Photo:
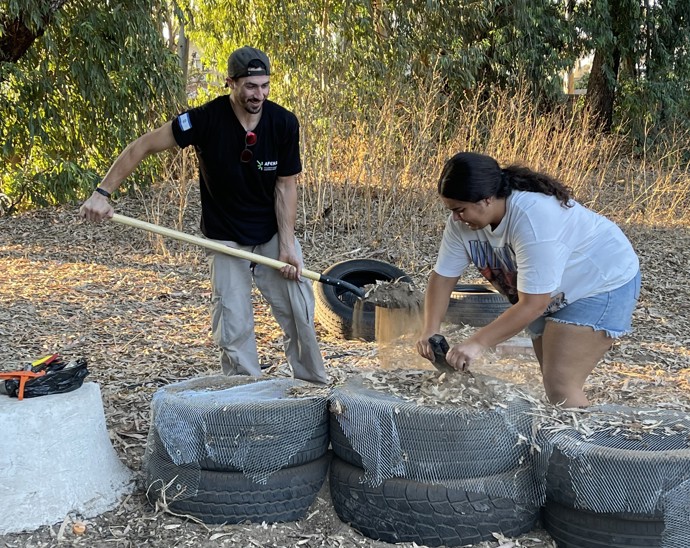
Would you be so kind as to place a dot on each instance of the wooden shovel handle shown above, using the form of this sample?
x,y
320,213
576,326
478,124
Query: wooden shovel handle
x,y
215,246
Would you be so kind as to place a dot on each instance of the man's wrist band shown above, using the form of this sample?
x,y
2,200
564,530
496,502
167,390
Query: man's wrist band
x,y
103,192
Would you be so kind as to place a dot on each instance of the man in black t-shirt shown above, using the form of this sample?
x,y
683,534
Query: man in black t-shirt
x,y
249,159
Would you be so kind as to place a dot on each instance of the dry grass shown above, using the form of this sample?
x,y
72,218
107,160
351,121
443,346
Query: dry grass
x,y
370,176
377,178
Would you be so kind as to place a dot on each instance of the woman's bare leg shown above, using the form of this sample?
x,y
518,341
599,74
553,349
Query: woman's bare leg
x,y
538,352
569,354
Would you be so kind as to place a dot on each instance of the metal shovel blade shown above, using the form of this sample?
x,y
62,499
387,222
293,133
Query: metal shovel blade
x,y
440,347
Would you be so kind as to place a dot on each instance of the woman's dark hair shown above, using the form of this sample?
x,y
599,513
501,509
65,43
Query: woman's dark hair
x,y
471,177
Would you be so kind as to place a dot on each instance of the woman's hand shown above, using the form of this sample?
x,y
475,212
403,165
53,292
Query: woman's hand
x,y
436,299
460,356
424,348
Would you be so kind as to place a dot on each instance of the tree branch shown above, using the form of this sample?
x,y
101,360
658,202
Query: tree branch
x,y
17,37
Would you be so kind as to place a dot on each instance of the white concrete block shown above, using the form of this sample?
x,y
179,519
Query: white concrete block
x,y
55,459
516,347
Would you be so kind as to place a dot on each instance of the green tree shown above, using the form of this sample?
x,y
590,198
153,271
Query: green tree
x,y
78,80
334,59
363,45
641,69
18,31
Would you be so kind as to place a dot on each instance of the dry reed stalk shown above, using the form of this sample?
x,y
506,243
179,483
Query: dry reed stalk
x,y
167,204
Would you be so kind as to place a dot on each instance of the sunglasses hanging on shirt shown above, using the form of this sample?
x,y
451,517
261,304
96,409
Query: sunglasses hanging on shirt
x,y
249,140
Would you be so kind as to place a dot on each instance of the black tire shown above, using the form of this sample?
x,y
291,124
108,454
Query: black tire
x,y
227,497
402,510
572,528
314,448
341,445
334,308
610,472
476,305
428,443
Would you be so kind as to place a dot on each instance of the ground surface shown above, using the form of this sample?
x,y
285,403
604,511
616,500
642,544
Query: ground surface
x,y
138,313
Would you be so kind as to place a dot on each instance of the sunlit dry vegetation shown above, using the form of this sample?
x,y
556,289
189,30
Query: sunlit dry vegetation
x,y
386,166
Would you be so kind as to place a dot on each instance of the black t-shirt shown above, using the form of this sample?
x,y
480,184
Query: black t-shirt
x,y
237,198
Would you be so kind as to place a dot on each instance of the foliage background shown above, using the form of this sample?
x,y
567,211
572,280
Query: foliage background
x,y
385,91
98,76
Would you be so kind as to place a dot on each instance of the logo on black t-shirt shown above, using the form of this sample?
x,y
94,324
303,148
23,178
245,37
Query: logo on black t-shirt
x,y
184,121
270,165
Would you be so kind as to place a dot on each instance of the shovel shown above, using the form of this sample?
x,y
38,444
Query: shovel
x,y
220,248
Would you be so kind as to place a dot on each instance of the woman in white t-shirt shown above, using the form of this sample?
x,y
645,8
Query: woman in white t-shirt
x,y
571,275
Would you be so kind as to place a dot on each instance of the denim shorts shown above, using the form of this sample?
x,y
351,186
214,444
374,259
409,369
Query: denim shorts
x,y
611,312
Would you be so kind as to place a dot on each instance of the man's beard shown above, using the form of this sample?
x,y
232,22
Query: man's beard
x,y
253,108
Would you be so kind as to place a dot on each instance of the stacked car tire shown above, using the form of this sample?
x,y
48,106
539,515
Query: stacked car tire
x,y
434,476
246,462
620,488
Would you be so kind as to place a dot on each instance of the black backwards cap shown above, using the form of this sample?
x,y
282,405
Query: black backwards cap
x,y
248,61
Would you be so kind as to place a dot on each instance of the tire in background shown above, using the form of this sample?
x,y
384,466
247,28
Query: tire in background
x,y
476,305
334,308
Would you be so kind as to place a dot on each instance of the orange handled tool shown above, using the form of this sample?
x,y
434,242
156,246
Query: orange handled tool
x,y
22,377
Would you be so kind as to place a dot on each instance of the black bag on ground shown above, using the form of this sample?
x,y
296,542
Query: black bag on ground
x,y
57,380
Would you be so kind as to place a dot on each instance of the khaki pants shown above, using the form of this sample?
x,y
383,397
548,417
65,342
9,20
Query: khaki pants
x,y
232,314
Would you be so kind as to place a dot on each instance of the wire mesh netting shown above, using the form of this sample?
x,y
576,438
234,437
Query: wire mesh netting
x,y
234,424
677,517
608,460
622,461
